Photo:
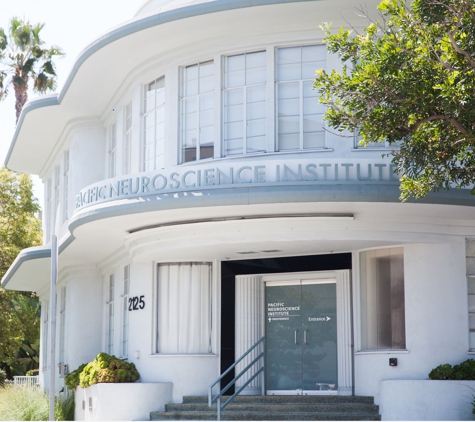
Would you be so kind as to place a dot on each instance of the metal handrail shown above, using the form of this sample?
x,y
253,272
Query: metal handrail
x,y
217,398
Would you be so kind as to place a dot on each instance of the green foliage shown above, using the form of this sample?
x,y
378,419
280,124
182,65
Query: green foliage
x,y
32,404
72,379
3,377
32,373
410,78
107,369
19,311
463,371
23,57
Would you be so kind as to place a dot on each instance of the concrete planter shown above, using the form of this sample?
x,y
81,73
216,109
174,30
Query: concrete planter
x,y
426,400
121,402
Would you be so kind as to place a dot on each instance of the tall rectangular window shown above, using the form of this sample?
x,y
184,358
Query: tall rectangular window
x,y
382,299
470,263
45,333
184,308
56,181
299,114
110,315
197,112
245,104
65,185
125,312
154,125
62,325
127,139
112,149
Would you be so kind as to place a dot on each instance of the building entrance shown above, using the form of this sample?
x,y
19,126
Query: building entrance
x,y
301,336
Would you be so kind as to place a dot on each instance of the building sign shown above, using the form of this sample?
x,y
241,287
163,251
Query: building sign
x,y
263,172
281,312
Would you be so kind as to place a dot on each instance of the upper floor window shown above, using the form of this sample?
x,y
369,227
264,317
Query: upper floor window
x,y
112,149
56,181
127,139
154,125
299,113
197,112
382,299
245,104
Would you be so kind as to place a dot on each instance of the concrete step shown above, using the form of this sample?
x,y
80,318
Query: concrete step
x,y
264,416
255,408
273,407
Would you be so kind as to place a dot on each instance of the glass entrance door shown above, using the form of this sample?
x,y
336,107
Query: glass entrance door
x,y
301,337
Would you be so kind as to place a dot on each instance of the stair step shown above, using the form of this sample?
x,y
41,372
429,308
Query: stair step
x,y
260,416
286,399
272,407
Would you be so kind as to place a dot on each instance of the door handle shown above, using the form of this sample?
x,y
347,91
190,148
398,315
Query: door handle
x,y
296,336
305,336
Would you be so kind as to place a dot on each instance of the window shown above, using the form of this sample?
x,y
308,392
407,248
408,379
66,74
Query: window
x,y
127,138
45,333
56,194
470,260
299,114
245,104
382,299
125,312
110,315
184,308
197,109
65,185
62,324
154,125
112,149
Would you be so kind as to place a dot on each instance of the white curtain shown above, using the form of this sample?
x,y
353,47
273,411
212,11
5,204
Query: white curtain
x,y
184,308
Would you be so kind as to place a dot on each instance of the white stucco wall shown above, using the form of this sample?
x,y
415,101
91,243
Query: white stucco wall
x,y
436,318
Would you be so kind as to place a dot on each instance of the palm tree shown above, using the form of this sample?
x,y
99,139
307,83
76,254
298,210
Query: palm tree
x,y
23,57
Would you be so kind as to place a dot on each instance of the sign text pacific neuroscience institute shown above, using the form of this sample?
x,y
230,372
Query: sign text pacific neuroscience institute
x,y
262,172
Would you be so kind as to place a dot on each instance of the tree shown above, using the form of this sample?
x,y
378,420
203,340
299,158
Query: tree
x,y
410,78
23,56
19,229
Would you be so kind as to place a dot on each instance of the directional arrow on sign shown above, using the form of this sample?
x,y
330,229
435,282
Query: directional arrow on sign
x,y
328,318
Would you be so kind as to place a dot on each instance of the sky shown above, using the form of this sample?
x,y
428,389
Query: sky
x,y
71,25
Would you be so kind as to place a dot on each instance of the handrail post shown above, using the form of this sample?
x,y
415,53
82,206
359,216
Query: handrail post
x,y
218,404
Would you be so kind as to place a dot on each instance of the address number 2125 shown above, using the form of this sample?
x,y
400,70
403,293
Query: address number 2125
x,y
136,303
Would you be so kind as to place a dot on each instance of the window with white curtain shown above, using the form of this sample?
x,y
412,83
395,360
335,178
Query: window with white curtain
x,y
125,312
299,113
126,161
382,299
154,125
245,103
197,112
184,308
112,149
110,315
45,333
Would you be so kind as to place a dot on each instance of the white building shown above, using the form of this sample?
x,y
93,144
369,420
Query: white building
x,y
201,204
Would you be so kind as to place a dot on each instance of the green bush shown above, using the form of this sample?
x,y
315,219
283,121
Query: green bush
x,y
107,369
463,371
3,377
72,379
32,404
33,373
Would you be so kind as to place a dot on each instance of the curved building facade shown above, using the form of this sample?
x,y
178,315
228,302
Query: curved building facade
x,y
200,203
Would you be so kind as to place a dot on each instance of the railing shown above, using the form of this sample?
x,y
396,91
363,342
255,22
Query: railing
x,y
26,381
217,399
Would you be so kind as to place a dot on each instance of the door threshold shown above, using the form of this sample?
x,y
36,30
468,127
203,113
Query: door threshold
x,y
301,392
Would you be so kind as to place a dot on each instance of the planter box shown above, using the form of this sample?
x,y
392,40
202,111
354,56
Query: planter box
x,y
121,402
426,400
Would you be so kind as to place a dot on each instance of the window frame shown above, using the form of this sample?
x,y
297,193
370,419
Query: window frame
x,y
112,151
124,343
110,314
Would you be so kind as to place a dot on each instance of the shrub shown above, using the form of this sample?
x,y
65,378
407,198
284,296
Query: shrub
x,y
32,404
462,371
3,377
107,369
72,379
33,373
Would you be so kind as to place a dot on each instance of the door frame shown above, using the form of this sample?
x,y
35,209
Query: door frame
x,y
251,313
